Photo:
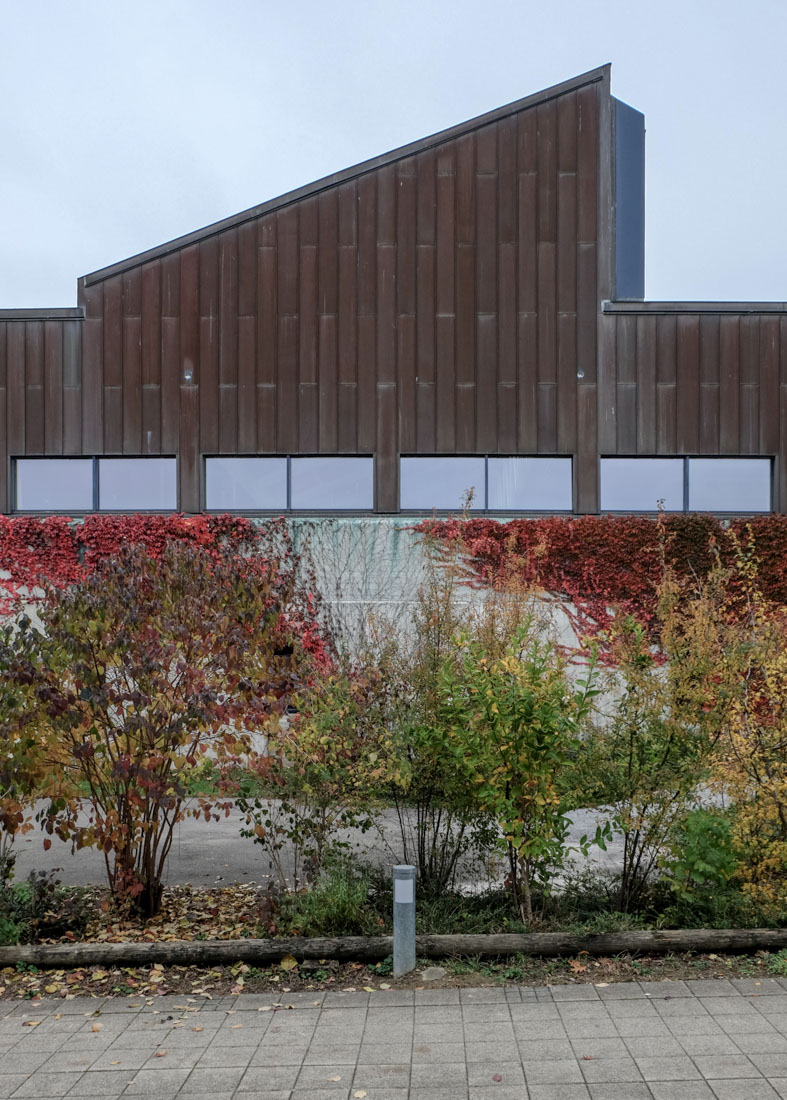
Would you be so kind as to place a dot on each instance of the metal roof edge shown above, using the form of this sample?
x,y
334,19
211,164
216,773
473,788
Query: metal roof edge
x,y
645,308
591,77
65,313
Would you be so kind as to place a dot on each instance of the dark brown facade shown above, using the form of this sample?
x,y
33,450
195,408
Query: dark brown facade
x,y
456,296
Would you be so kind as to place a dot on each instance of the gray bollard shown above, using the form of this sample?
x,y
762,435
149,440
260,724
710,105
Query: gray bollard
x,y
403,919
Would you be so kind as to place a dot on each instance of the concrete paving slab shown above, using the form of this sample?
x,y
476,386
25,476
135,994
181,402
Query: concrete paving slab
x,y
461,1048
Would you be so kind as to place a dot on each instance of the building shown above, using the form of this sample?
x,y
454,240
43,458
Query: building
x,y
464,311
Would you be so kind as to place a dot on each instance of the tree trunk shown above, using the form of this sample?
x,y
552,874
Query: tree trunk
x,y
369,949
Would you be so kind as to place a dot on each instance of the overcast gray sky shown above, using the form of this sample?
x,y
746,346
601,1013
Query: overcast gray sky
x,y
124,125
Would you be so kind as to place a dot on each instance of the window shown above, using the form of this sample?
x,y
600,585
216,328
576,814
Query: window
x,y
729,484
331,484
686,484
499,484
95,484
530,485
324,483
638,484
246,484
137,485
441,483
54,485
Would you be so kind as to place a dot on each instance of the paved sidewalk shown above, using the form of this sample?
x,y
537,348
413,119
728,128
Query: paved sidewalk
x,y
666,1040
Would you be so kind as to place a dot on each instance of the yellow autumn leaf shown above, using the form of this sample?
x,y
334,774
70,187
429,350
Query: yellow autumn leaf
x,y
288,963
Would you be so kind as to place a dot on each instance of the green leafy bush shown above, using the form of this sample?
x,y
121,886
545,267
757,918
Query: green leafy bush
x,y
702,853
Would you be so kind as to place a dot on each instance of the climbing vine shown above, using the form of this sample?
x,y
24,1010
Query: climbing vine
x,y
605,565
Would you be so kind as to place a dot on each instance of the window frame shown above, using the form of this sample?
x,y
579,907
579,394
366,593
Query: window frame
x,y
485,510
96,484
288,509
687,459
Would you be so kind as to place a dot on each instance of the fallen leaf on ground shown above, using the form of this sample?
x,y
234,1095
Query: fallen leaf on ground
x,y
288,963
336,1077
97,1027
159,1054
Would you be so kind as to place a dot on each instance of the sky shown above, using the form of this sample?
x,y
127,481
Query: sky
x,y
124,126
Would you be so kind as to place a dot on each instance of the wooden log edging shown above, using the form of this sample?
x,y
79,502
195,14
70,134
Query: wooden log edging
x,y
63,956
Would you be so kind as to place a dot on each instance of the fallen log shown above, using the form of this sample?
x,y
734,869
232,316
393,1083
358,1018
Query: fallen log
x,y
63,956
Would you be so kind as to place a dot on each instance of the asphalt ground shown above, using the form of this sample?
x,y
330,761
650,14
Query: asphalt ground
x,y
204,853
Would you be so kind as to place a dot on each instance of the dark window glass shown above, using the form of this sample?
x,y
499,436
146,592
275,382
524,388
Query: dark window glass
x,y
441,483
246,484
137,485
54,484
530,485
332,484
638,484
730,484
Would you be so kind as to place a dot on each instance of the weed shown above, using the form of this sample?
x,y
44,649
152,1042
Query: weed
x,y
777,963
464,965
384,967
337,904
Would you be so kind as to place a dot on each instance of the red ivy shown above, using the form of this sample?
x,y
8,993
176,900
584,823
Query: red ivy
x,y
601,563
60,551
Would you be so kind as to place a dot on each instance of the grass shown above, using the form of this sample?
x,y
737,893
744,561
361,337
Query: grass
x,y
342,897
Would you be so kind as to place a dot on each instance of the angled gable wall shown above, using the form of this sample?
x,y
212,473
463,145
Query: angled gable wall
x,y
436,300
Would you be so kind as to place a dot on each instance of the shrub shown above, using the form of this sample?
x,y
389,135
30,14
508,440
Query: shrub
x,y
143,667
511,725
323,769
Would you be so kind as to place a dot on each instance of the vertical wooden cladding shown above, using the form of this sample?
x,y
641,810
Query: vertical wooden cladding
x,y
696,383
436,302
40,390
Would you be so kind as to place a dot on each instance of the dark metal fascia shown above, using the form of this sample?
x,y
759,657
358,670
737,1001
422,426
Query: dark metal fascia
x,y
67,313
637,307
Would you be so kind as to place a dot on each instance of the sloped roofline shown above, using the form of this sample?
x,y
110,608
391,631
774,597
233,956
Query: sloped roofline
x,y
419,146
